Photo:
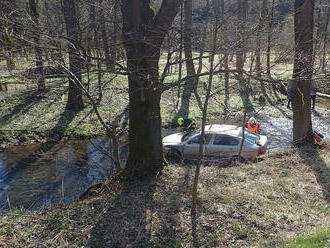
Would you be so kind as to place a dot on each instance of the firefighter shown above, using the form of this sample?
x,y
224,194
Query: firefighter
x,y
252,125
187,124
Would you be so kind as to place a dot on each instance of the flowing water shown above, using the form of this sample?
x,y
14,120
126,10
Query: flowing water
x,y
35,176
39,175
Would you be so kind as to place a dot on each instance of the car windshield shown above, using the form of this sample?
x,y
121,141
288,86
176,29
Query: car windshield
x,y
188,135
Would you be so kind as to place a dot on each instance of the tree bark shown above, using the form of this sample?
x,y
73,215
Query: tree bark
x,y
303,71
180,58
226,53
143,35
269,37
318,32
105,38
114,46
189,84
75,101
241,16
37,49
325,40
262,17
95,29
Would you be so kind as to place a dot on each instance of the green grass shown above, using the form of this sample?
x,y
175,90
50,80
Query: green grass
x,y
21,109
264,204
316,239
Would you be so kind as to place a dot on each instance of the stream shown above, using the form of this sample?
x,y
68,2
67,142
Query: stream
x,y
39,175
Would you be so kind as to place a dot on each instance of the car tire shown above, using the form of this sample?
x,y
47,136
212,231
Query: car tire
x,y
236,160
174,156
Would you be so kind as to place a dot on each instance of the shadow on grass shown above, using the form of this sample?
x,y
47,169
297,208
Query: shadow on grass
x,y
145,214
28,100
126,222
311,157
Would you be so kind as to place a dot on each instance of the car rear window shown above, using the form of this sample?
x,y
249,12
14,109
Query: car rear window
x,y
251,138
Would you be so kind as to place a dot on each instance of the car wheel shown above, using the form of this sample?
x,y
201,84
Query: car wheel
x,y
174,156
236,160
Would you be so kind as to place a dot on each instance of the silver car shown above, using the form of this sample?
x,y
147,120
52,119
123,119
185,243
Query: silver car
x,y
222,143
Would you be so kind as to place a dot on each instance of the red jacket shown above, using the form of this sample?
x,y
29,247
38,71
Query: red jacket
x,y
254,129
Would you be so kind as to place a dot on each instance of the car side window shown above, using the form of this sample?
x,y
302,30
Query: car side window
x,y
225,140
196,139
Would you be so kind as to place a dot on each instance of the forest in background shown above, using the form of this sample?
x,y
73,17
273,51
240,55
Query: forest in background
x,y
81,68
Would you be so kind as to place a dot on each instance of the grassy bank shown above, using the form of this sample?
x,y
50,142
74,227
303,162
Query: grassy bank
x,y
278,202
26,117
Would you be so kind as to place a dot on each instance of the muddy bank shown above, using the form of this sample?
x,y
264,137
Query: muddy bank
x,y
10,138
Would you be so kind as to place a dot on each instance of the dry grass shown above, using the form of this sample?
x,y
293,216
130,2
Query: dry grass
x,y
250,205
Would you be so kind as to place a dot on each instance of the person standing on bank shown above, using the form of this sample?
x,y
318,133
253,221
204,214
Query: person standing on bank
x,y
291,94
313,95
187,124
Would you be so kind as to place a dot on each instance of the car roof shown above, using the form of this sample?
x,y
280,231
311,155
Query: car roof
x,y
223,128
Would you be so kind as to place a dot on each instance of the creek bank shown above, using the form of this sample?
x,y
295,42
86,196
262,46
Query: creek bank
x,y
261,204
10,138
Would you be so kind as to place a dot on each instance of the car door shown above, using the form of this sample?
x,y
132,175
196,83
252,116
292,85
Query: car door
x,y
223,146
191,149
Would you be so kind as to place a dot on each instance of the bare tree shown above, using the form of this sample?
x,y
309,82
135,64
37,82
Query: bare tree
x,y
325,39
106,47
242,6
187,44
205,109
303,71
37,49
269,36
75,101
143,35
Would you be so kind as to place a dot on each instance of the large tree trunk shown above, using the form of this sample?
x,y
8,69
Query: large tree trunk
x,y
325,39
114,46
303,71
96,48
105,38
75,101
37,49
143,34
269,37
318,32
242,16
262,17
189,84
261,28
226,52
